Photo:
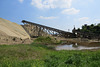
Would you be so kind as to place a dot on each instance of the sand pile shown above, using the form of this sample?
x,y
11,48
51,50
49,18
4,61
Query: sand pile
x,y
12,33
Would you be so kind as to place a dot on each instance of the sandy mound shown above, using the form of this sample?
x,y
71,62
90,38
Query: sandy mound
x,y
12,33
8,28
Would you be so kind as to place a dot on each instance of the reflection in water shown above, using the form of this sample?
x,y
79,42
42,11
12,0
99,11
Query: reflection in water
x,y
75,47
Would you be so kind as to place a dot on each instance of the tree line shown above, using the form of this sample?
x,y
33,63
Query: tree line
x,y
88,31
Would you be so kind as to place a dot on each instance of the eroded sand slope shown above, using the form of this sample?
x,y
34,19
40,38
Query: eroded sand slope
x,y
8,28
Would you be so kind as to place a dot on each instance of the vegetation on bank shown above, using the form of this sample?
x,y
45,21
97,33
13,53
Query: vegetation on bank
x,y
36,55
47,40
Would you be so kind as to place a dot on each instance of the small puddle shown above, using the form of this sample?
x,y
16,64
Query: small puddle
x,y
76,47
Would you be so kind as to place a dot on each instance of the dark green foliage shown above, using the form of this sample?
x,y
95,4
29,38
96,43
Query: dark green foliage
x,y
92,31
52,61
91,28
74,59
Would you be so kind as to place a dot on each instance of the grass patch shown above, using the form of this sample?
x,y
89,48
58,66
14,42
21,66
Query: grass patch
x,y
36,55
47,40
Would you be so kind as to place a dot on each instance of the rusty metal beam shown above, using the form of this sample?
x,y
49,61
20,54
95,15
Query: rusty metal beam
x,y
50,28
47,29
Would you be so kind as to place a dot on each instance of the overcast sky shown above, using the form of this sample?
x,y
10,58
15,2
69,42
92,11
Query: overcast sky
x,y
60,14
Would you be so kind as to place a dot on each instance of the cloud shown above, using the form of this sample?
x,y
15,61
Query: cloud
x,y
51,3
83,19
70,11
42,17
97,20
83,2
21,1
87,22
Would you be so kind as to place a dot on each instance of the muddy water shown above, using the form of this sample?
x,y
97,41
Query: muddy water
x,y
76,46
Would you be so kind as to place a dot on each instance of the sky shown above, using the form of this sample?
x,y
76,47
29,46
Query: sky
x,y
60,14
